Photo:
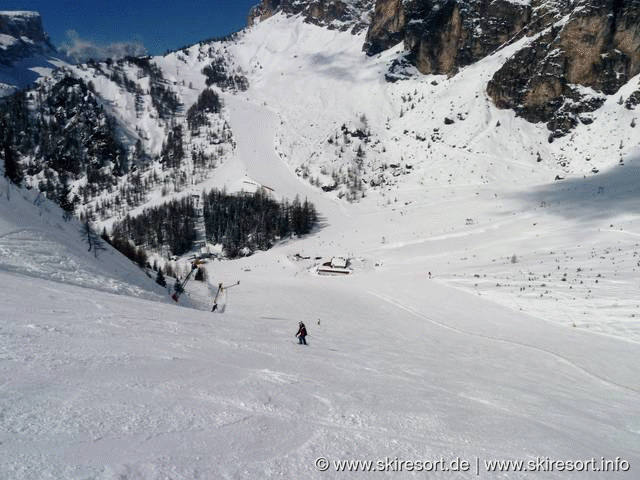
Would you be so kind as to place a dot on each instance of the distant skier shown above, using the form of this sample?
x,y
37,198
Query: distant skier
x,y
302,333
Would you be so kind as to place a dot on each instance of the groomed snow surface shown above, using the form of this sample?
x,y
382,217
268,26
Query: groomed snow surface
x,y
97,385
483,321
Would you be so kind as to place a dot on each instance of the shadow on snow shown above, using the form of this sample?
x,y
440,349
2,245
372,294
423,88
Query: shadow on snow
x,y
608,194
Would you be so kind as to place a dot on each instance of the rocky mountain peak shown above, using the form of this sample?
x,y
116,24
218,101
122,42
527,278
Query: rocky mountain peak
x,y
342,15
27,24
596,46
24,45
444,35
574,44
22,35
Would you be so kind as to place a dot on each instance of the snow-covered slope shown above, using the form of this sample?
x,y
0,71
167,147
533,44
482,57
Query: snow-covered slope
x,y
399,366
342,126
446,129
37,242
453,185
490,312
104,386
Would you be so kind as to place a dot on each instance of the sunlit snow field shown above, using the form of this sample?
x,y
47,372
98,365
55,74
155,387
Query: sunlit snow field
x,y
489,317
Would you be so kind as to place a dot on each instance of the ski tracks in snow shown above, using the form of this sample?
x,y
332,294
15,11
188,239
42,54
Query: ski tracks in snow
x,y
558,356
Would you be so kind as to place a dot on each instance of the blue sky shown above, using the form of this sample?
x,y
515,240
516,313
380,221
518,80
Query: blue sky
x,y
159,25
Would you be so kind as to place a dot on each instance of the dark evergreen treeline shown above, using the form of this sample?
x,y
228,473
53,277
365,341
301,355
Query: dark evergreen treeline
x,y
235,221
124,246
208,102
169,225
254,221
172,152
217,73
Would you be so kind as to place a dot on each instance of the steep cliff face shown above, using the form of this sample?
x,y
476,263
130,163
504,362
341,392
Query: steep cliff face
x,y
27,24
22,35
575,44
443,35
24,49
388,25
335,14
596,46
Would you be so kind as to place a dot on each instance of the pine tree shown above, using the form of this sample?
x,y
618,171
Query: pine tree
x,y
93,240
160,280
64,202
11,168
141,257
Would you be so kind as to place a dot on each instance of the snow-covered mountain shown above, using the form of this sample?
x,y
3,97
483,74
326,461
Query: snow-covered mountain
x,y
25,51
346,126
117,137
352,15
577,52
490,311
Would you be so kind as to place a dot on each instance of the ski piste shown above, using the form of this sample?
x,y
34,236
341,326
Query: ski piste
x,y
221,288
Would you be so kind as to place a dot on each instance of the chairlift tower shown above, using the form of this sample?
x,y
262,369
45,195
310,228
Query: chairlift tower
x,y
200,241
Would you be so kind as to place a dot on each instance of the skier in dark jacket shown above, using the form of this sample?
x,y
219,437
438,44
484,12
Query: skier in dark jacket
x,y
302,333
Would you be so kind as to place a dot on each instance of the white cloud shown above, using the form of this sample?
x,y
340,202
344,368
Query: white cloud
x,y
82,50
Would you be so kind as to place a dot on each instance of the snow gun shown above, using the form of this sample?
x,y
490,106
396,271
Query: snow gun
x,y
179,289
221,288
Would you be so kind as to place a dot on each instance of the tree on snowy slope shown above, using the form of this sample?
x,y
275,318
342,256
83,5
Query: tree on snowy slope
x,y
65,202
124,246
208,102
93,240
173,149
165,101
11,168
160,280
218,73
303,216
66,134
